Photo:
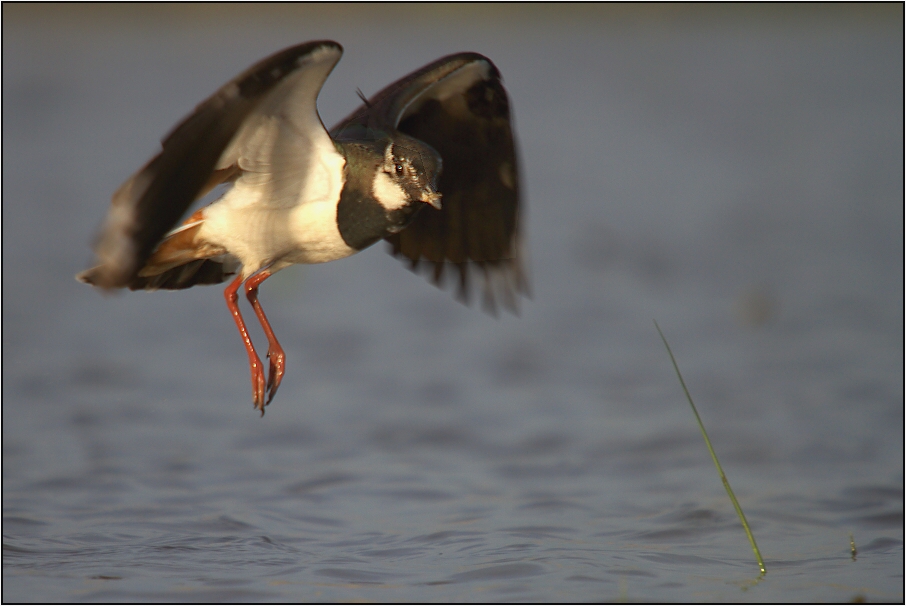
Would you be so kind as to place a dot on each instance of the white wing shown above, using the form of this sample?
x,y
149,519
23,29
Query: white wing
x,y
283,150
264,121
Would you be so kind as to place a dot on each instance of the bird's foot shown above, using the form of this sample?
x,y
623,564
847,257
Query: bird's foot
x,y
275,374
258,386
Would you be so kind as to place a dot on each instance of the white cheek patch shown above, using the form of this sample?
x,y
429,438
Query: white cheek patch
x,y
388,192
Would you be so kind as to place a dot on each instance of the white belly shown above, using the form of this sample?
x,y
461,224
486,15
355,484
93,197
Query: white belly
x,y
260,235
283,210
315,234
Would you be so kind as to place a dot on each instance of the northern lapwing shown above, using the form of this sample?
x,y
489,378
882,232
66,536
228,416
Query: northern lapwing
x,y
428,164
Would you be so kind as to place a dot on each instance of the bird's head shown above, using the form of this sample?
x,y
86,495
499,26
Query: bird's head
x,y
413,167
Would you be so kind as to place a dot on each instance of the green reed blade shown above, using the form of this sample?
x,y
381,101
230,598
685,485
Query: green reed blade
x,y
723,477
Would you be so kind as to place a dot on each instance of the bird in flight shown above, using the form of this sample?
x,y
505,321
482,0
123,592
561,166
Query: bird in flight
x,y
427,164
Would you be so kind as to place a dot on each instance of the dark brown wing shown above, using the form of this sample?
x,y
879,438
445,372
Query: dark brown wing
x,y
153,200
459,107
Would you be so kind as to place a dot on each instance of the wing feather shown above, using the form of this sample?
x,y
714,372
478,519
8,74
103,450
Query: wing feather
x,y
458,106
152,201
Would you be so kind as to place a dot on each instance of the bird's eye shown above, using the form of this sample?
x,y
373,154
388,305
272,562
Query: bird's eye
x,y
399,169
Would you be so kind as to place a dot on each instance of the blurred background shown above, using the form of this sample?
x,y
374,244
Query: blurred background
x,y
734,172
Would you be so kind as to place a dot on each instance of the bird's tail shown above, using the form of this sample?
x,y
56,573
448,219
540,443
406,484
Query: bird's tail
x,y
180,261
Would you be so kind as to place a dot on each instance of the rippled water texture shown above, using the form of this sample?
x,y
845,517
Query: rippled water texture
x,y
736,174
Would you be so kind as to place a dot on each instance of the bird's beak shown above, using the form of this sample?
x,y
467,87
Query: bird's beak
x,y
432,198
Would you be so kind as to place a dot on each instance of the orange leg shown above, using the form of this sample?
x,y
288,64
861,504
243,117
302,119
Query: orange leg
x,y
274,351
258,384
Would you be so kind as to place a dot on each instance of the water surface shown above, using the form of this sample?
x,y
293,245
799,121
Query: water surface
x,y
737,175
